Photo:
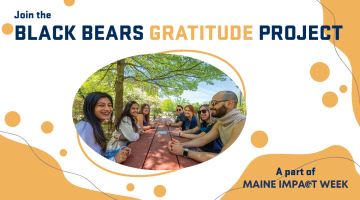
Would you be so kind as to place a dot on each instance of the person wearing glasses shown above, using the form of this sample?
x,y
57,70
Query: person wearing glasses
x,y
228,128
205,124
143,118
180,119
126,128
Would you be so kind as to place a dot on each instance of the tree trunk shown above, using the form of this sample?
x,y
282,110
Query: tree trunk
x,y
119,88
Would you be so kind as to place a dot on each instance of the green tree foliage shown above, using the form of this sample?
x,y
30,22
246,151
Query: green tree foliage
x,y
168,105
206,102
162,74
181,101
172,73
242,108
196,107
154,74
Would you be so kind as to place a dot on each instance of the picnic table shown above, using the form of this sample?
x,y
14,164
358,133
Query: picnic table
x,y
151,150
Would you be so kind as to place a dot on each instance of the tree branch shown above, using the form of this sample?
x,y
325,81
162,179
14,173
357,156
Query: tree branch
x,y
105,74
134,66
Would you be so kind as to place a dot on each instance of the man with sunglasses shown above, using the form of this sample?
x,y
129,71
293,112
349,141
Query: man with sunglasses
x,y
180,119
229,126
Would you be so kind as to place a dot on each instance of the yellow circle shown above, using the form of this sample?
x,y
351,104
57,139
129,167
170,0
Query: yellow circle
x,y
343,88
130,187
330,99
319,72
47,127
12,119
63,152
69,2
7,29
259,139
159,191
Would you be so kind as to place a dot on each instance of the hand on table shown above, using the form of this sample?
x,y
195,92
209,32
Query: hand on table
x,y
127,150
176,133
169,146
167,123
140,131
176,148
122,155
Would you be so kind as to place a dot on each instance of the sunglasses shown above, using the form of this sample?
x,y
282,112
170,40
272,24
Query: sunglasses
x,y
178,109
202,111
214,102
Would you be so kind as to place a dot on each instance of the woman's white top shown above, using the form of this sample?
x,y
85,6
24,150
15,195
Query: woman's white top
x,y
126,132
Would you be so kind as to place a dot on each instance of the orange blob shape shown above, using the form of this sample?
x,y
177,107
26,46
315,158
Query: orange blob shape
x,y
330,99
12,119
159,191
319,72
47,127
7,29
69,2
130,187
259,139
63,152
343,88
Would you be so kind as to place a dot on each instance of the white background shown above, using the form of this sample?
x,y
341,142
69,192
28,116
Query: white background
x,y
39,80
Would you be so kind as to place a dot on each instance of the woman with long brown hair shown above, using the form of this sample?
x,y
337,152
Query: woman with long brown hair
x,y
126,128
143,118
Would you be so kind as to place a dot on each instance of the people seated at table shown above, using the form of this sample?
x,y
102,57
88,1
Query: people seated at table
x,y
143,118
191,121
126,128
206,122
180,119
231,123
97,108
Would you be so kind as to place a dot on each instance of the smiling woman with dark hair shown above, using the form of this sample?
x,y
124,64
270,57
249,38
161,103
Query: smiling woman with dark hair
x,y
98,108
127,130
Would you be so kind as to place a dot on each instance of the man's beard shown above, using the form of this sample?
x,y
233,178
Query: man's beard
x,y
220,112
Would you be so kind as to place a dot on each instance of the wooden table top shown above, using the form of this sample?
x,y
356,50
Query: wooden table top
x,y
151,151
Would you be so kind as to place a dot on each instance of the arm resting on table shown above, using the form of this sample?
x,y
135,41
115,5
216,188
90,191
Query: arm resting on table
x,y
191,131
191,136
201,156
140,120
205,156
174,124
205,139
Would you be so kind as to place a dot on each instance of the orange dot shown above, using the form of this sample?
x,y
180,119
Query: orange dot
x,y
7,29
259,139
69,2
159,191
63,152
319,72
343,88
12,119
130,187
47,127
330,99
